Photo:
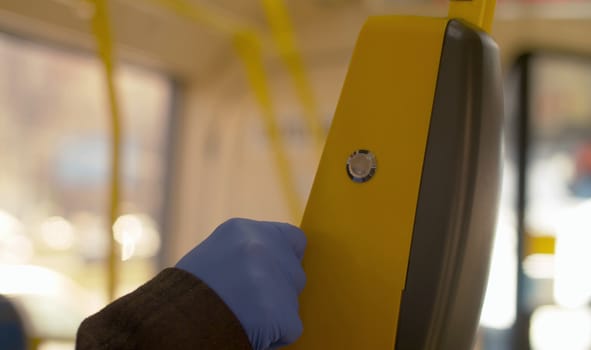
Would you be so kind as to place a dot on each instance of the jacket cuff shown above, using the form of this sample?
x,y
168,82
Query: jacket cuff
x,y
174,310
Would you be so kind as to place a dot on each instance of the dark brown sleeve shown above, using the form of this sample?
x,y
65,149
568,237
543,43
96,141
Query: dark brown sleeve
x,y
174,310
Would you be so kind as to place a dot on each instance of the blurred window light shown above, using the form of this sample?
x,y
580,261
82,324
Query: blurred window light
x,y
500,300
41,294
15,249
498,310
56,345
556,328
539,266
15,246
572,284
92,243
57,233
55,137
127,231
137,236
9,224
558,184
26,280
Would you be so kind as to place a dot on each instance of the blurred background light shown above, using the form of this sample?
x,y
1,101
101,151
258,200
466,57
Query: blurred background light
x,y
29,279
92,241
128,231
572,284
557,328
15,246
137,236
499,307
539,266
10,224
57,233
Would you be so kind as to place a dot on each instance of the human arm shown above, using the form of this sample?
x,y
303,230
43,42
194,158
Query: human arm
x,y
237,289
174,310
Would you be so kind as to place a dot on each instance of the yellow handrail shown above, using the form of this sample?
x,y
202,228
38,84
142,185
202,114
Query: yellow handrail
x,y
101,29
249,50
248,46
283,35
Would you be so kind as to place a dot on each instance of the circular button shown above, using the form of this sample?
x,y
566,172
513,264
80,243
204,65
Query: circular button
x,y
361,166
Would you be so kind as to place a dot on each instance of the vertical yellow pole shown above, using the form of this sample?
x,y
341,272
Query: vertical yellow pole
x,y
248,48
100,24
284,37
34,343
477,12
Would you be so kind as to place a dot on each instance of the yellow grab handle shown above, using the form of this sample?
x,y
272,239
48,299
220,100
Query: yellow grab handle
x,y
284,36
247,43
248,48
477,12
104,41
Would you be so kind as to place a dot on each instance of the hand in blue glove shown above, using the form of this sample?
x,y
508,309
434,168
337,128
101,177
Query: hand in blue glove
x,y
255,268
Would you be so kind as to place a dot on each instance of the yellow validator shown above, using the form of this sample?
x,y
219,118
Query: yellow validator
x,y
401,215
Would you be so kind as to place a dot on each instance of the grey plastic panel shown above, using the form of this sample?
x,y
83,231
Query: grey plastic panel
x,y
456,212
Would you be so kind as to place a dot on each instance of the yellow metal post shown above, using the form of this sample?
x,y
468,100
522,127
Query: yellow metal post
x,y
101,28
283,35
477,12
248,46
539,245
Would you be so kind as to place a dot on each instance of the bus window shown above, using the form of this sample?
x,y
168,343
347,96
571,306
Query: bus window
x,y
54,133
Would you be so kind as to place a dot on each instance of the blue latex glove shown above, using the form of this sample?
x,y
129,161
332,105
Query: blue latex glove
x,y
255,268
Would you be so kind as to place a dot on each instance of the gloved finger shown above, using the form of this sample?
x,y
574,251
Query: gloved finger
x,y
284,312
291,266
294,236
292,328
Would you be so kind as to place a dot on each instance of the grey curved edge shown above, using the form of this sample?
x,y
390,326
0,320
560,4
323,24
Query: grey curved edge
x,y
457,207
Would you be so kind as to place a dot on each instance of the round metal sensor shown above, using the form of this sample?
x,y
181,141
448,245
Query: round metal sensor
x,y
361,166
